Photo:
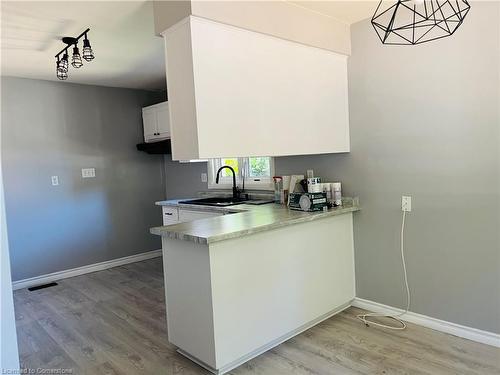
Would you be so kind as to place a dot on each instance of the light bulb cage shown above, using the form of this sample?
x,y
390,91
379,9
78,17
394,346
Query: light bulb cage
x,y
87,52
410,22
76,59
61,73
63,64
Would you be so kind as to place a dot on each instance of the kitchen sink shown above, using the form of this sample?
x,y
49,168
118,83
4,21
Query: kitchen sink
x,y
216,201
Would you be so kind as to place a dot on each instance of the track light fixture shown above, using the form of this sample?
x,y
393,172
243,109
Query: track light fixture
x,y
418,21
62,64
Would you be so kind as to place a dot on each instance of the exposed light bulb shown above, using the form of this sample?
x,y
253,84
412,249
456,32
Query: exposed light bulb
x,y
64,62
61,73
87,52
76,60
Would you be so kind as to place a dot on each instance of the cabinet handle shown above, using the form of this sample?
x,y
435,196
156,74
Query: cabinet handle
x,y
169,213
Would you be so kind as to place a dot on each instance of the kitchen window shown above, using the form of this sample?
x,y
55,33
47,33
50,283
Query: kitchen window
x,y
256,172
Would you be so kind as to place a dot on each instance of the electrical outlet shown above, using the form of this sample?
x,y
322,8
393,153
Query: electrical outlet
x,y
88,172
204,177
406,203
310,173
55,180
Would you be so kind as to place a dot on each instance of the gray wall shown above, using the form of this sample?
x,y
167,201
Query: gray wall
x,y
184,179
424,122
53,128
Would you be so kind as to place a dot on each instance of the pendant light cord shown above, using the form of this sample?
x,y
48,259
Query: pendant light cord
x,y
402,325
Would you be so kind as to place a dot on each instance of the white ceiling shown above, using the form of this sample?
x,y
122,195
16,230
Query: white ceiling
x,y
348,12
128,54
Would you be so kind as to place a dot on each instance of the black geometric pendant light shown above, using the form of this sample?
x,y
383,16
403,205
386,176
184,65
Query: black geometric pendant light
x,y
418,21
76,59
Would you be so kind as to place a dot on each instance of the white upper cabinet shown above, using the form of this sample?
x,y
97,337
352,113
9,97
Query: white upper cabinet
x,y
163,120
234,92
156,122
149,123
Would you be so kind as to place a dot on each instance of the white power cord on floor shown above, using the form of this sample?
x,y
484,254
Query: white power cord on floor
x,y
363,317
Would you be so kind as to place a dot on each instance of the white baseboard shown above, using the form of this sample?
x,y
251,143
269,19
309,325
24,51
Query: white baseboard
x,y
473,334
50,277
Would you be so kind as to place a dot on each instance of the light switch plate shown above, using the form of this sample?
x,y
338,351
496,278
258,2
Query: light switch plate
x,y
54,180
88,172
204,177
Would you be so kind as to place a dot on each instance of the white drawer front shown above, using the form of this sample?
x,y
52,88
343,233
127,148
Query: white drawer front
x,y
170,215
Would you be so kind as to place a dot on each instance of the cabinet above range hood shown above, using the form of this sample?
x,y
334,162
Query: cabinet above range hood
x,y
235,92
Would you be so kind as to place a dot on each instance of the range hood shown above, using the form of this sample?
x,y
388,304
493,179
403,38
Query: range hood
x,y
156,148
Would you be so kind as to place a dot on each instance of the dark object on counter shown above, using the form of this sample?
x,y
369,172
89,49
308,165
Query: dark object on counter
x,y
156,148
226,201
303,183
236,191
308,201
216,201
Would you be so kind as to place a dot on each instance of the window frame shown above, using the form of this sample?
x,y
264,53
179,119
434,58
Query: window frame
x,y
227,182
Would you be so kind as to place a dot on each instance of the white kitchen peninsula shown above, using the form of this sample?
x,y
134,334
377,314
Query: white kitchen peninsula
x,y
239,284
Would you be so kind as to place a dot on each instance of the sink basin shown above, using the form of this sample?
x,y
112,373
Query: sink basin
x,y
216,201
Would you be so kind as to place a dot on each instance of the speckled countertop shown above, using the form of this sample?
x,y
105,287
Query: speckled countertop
x,y
240,220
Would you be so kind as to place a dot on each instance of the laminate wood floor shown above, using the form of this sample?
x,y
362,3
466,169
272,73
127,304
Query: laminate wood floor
x,y
113,322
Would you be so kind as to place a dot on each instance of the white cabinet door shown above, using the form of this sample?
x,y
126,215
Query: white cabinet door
x,y
149,123
170,215
175,215
269,96
162,120
187,215
156,122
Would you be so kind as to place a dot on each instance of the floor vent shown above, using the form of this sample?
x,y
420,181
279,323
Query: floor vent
x,y
43,286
